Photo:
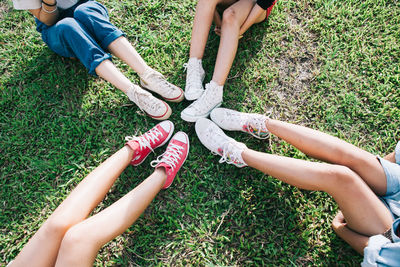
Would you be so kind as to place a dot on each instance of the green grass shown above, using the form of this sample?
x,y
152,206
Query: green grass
x,y
329,65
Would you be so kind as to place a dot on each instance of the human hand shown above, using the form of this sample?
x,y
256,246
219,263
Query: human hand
x,y
217,30
338,222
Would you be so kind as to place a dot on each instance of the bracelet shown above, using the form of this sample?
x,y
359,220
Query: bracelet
x,y
49,11
55,3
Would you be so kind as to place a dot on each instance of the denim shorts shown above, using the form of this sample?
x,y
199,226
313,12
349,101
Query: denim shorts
x,y
392,171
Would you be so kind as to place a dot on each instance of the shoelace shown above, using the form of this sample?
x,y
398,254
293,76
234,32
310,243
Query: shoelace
x,y
151,102
230,154
171,156
193,74
160,79
254,122
259,124
203,103
147,138
226,147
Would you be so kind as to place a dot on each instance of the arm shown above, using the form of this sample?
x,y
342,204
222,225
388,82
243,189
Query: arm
x,y
357,241
48,13
256,15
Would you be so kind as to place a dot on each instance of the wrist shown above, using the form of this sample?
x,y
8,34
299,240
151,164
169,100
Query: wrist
x,y
49,3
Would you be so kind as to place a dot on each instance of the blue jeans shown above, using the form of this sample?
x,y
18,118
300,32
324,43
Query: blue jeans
x,y
83,31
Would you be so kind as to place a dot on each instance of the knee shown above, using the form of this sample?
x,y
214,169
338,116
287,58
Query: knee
x,y
339,175
89,9
67,26
82,12
229,17
74,239
56,226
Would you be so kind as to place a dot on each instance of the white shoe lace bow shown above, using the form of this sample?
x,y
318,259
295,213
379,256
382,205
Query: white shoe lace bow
x,y
144,99
146,139
170,157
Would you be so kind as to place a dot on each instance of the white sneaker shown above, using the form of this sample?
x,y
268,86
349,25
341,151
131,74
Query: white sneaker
x,y
154,107
232,120
201,108
194,79
156,82
213,138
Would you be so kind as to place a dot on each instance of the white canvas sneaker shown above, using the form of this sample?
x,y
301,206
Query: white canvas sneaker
x,y
194,79
201,108
213,138
154,107
156,82
232,120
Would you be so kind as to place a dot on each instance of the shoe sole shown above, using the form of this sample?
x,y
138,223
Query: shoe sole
x,y
160,145
175,100
183,160
189,118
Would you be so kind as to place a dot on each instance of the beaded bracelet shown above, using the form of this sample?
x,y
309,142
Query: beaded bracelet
x,y
48,11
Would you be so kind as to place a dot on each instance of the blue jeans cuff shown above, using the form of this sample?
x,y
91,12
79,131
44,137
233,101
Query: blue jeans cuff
x,y
96,62
110,38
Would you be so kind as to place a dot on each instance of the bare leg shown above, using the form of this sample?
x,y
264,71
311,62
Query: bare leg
x,y
42,248
82,242
357,241
232,19
123,49
201,25
363,211
331,149
109,72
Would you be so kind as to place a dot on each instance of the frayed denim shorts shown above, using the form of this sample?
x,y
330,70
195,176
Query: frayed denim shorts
x,y
392,171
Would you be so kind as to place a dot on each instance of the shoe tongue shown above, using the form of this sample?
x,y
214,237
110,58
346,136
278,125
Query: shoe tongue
x,y
165,165
134,145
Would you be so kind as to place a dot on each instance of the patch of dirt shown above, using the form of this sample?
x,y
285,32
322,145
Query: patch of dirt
x,y
4,7
298,67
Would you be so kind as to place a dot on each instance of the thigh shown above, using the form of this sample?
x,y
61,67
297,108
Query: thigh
x,y
224,4
42,249
364,212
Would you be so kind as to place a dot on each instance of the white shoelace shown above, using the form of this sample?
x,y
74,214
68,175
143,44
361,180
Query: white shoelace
x,y
162,83
193,76
149,101
170,157
230,154
259,123
205,102
147,138
230,151
251,122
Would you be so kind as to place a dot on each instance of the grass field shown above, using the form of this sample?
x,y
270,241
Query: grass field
x,y
330,65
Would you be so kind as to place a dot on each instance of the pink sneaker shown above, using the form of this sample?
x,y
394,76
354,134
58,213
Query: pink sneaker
x,y
146,143
173,158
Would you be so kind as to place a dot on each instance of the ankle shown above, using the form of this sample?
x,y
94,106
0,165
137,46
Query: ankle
x,y
245,154
267,121
195,59
161,172
217,84
143,70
